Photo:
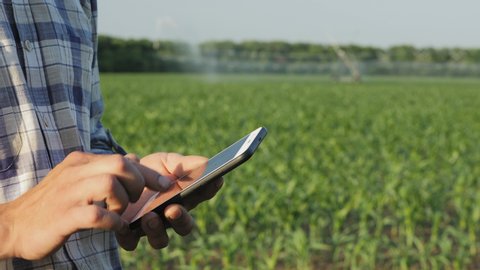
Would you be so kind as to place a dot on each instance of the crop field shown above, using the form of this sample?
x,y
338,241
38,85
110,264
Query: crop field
x,y
384,174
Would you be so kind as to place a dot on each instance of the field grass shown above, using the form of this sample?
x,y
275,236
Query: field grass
x,y
379,175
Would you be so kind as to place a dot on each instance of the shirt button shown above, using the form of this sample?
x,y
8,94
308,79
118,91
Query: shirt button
x,y
28,45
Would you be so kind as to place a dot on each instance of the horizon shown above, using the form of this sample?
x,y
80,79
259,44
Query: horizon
x,y
371,23
288,42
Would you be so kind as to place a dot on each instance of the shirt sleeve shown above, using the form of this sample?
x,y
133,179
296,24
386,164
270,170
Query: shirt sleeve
x,y
101,140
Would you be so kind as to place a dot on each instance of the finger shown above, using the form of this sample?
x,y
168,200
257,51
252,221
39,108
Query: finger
x,y
173,164
153,180
103,188
205,193
180,165
133,208
155,230
133,157
127,239
117,165
93,217
181,221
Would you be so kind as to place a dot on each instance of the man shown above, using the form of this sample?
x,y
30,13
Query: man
x,y
62,190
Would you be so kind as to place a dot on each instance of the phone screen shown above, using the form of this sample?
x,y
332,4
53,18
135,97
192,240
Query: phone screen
x,y
217,161
197,176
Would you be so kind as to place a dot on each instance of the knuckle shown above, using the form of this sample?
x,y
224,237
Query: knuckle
x,y
108,183
75,156
119,209
119,163
94,216
133,157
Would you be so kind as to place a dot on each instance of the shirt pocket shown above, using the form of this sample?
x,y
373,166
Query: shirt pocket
x,y
70,60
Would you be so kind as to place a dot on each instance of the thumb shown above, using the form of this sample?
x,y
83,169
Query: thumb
x,y
153,180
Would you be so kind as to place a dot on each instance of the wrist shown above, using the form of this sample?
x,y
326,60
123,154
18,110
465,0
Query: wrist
x,y
6,232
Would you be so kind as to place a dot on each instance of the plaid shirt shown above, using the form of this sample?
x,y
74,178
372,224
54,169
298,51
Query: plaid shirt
x,y
50,106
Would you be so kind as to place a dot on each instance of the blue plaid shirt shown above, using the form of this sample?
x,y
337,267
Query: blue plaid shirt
x,y
50,105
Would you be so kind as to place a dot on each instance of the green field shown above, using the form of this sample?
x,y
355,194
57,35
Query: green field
x,y
379,175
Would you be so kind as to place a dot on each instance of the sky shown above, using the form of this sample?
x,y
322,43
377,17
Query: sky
x,y
379,23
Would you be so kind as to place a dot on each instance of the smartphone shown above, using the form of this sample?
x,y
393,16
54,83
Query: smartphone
x,y
220,164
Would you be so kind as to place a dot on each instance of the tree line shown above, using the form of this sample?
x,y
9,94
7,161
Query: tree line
x,y
142,55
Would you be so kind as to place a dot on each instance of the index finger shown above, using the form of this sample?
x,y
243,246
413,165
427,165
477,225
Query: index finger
x,y
120,167
153,180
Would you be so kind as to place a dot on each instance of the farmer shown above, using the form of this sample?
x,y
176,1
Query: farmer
x,y
62,187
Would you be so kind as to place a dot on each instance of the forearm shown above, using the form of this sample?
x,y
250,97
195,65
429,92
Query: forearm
x,y
6,232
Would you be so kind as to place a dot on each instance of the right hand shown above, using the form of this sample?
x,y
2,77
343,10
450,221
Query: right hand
x,y
84,191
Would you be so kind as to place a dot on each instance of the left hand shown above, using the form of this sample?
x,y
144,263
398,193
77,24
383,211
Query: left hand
x,y
172,166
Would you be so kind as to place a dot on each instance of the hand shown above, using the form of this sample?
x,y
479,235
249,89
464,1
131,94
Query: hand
x,y
82,192
172,166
